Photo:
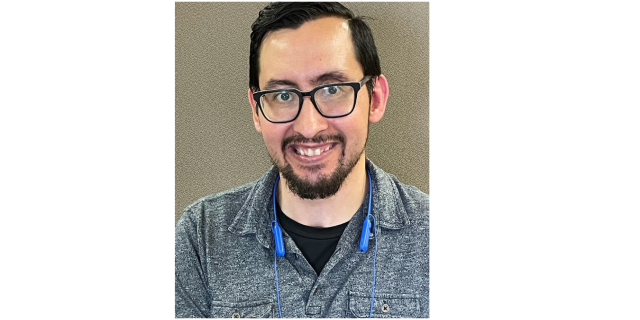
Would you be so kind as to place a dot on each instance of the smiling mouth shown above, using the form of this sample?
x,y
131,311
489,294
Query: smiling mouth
x,y
309,152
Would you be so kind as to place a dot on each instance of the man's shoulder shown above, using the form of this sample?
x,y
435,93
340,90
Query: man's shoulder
x,y
411,190
223,198
412,197
410,193
219,206
414,200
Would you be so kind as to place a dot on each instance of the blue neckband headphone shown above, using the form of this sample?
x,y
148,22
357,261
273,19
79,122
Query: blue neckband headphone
x,y
364,241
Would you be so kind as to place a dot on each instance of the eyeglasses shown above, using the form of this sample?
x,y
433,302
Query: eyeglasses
x,y
332,100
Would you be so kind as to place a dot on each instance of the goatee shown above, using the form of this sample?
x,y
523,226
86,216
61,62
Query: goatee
x,y
326,185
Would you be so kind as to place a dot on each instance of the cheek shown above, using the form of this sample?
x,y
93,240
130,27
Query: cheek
x,y
273,140
355,131
271,143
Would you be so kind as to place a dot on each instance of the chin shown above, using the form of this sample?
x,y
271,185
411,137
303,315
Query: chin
x,y
311,175
317,181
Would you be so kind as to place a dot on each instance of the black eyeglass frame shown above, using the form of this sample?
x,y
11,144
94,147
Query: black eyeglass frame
x,y
356,85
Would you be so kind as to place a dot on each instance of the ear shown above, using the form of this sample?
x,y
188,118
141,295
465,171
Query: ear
x,y
254,105
379,98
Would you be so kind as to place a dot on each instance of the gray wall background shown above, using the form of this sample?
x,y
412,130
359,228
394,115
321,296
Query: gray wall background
x,y
217,147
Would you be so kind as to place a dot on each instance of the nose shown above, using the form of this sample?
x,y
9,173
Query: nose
x,y
309,122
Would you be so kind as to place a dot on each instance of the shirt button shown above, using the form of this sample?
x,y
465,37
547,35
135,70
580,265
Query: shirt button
x,y
235,315
385,308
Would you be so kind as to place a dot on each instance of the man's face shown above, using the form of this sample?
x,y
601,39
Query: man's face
x,y
318,52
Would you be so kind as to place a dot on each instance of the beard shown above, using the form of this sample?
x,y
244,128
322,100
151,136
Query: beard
x,y
325,185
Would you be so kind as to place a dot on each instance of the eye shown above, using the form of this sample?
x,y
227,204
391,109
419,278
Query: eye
x,y
331,90
284,96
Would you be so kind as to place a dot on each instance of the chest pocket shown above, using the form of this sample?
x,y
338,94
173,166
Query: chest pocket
x,y
384,305
252,309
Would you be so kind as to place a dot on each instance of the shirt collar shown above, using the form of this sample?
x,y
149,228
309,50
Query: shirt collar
x,y
256,213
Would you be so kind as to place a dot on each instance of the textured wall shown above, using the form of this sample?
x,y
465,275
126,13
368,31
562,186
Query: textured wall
x,y
217,147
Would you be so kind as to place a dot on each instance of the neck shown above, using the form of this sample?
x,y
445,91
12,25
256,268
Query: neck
x,y
331,211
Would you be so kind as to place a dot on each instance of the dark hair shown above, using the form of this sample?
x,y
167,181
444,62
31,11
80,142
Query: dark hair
x,y
280,15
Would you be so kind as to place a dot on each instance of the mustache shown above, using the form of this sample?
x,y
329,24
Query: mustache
x,y
298,138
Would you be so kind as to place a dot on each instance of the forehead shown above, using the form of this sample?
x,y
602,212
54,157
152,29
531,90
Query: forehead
x,y
316,47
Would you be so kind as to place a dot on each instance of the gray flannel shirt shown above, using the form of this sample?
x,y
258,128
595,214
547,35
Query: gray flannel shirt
x,y
225,258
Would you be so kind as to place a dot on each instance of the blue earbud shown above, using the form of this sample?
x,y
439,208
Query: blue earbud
x,y
366,231
366,226
275,227
277,235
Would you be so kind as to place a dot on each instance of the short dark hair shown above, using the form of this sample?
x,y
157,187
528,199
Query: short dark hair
x,y
280,15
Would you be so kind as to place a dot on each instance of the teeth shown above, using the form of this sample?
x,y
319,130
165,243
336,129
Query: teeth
x,y
310,152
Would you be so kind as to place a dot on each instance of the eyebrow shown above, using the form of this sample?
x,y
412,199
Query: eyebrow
x,y
337,76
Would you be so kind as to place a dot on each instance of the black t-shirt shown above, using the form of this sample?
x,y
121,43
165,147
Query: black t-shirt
x,y
316,244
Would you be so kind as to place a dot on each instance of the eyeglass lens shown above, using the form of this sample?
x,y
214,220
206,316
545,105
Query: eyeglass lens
x,y
333,101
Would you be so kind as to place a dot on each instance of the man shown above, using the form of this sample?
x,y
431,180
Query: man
x,y
324,233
